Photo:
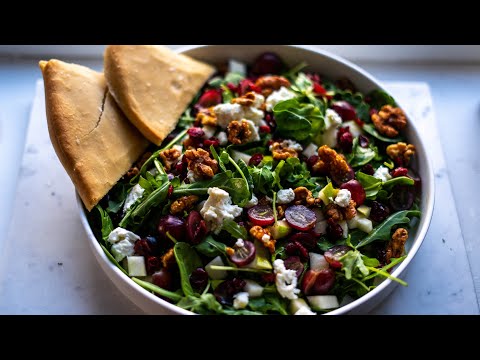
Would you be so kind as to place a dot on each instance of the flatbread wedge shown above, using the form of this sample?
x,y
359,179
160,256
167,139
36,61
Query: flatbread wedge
x,y
93,139
153,85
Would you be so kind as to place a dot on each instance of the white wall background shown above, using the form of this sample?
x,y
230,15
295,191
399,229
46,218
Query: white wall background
x,y
390,53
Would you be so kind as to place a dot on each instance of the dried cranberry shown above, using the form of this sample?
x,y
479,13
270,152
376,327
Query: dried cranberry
x,y
345,139
306,239
400,171
312,160
232,87
267,63
372,112
265,129
142,248
334,230
294,263
269,278
295,248
318,89
334,254
153,264
210,98
196,132
212,141
345,110
363,141
246,86
225,291
314,77
170,190
339,180
199,279
255,160
378,212
368,169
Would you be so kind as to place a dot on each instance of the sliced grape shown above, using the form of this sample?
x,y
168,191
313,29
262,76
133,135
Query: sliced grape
x,y
261,215
318,282
333,255
173,225
306,239
345,110
243,255
267,63
300,217
163,279
357,191
402,197
199,279
196,227
294,263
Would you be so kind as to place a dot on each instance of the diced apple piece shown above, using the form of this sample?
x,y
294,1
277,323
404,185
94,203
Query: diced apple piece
x,y
297,304
261,258
323,302
280,230
237,155
364,210
253,288
318,262
136,266
216,274
355,130
344,226
329,137
365,225
328,193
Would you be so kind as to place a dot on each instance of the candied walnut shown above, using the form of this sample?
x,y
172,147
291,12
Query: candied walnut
x,y
396,246
264,236
334,212
229,251
168,259
200,162
350,211
206,117
169,158
238,132
303,196
281,211
389,120
185,203
331,163
248,99
135,169
338,213
401,150
281,152
269,84
265,201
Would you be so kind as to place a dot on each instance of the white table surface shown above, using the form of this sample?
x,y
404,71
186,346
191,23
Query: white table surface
x,y
48,268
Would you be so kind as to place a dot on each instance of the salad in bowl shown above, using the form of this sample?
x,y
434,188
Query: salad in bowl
x,y
280,191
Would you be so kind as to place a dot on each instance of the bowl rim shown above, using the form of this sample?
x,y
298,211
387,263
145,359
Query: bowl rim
x,y
427,212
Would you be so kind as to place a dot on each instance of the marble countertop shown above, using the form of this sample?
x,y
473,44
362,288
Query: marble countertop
x,y
47,266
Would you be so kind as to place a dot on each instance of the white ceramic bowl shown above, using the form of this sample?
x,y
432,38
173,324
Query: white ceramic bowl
x,y
333,67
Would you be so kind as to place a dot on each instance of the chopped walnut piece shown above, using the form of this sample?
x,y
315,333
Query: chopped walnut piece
x,y
135,169
200,162
169,158
185,203
401,150
389,120
281,151
396,246
132,172
264,236
337,213
281,211
331,163
239,132
269,84
229,251
168,259
206,117
303,196
248,99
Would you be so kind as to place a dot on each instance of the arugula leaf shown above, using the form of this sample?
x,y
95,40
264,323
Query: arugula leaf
x,y
262,178
371,184
383,230
352,264
210,247
187,261
380,98
200,188
117,197
237,231
361,156
157,289
401,180
107,224
277,303
186,120
370,129
295,119
205,304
